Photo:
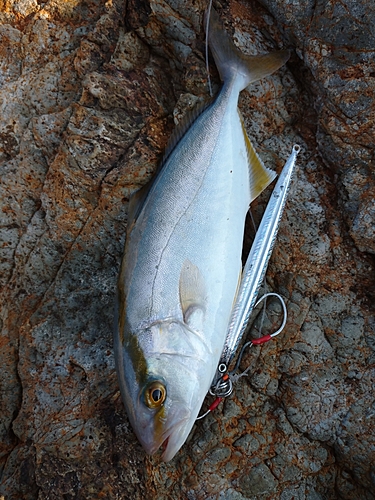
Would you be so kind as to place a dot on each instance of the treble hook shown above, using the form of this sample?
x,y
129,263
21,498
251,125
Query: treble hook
x,y
265,338
223,387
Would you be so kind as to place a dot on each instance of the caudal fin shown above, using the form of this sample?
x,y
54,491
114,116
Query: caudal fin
x,y
230,61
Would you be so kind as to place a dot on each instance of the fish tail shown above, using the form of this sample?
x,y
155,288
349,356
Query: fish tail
x,y
230,61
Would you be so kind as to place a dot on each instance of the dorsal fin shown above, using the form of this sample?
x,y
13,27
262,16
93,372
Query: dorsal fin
x,y
138,198
183,126
259,175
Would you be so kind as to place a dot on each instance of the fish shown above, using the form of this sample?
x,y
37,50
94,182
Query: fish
x,y
181,267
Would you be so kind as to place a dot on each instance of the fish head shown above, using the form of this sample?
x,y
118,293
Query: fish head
x,y
163,417
160,373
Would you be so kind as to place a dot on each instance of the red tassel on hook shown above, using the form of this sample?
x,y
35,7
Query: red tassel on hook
x,y
215,404
262,340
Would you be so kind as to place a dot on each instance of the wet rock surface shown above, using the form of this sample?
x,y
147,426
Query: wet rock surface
x,y
88,92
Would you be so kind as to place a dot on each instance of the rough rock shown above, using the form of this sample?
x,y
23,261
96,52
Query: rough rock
x,y
88,92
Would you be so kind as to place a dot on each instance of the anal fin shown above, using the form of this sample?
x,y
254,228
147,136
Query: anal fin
x,y
259,175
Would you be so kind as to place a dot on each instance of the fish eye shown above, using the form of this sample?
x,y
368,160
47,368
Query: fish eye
x,y
155,394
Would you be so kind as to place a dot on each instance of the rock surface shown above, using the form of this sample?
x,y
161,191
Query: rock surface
x,y
88,90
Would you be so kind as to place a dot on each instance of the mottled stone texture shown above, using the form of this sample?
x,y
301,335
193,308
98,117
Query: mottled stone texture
x,y
87,93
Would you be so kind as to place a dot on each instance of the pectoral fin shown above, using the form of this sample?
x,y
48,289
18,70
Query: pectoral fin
x,y
192,293
259,175
182,127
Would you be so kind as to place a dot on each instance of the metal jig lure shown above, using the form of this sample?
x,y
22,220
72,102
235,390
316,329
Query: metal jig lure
x,y
252,277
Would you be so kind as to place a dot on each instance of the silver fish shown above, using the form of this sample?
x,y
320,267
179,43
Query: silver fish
x,y
182,259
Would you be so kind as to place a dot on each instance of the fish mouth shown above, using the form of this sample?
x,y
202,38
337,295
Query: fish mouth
x,y
169,441
175,439
164,445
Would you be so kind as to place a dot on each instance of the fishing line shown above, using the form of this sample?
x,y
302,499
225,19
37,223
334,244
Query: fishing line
x,y
253,220
263,317
207,65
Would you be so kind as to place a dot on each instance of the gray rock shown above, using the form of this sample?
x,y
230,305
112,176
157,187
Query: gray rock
x,y
258,482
